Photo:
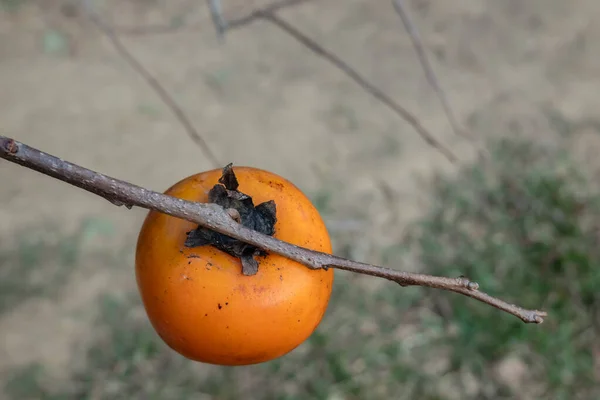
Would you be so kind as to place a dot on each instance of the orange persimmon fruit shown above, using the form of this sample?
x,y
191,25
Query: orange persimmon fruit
x,y
199,300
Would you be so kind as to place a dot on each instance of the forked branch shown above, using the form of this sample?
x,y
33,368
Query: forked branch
x,y
214,217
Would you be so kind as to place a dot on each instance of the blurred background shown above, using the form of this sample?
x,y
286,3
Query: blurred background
x,y
521,77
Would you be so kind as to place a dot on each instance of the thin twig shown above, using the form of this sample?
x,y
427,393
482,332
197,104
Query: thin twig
x,y
260,12
362,82
216,13
269,13
162,93
214,217
216,16
434,82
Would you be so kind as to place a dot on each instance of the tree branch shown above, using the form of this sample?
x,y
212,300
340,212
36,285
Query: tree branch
x,y
434,82
222,25
216,218
268,13
367,86
216,13
258,13
159,89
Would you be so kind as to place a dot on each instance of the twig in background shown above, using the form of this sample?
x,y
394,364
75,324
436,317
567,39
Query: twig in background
x,y
216,13
216,218
362,82
415,38
152,82
258,13
269,13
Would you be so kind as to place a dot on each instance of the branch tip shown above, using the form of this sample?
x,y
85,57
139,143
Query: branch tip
x,y
535,317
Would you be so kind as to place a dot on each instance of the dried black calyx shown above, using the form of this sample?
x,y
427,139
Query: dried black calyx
x,y
260,218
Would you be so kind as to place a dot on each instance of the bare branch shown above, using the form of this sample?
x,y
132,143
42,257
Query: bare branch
x,y
152,82
214,217
222,25
362,82
260,12
216,12
269,13
434,82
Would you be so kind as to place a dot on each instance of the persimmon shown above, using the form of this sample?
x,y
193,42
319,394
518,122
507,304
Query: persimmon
x,y
216,300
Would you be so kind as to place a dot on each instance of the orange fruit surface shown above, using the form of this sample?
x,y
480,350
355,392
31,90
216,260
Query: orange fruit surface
x,y
198,300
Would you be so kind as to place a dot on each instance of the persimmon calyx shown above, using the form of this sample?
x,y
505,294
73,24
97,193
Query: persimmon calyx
x,y
240,207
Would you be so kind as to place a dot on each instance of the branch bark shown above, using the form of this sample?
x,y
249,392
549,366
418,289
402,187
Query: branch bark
x,y
216,218
431,77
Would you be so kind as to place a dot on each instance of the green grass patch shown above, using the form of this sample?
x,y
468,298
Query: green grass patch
x,y
526,227
11,5
43,259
